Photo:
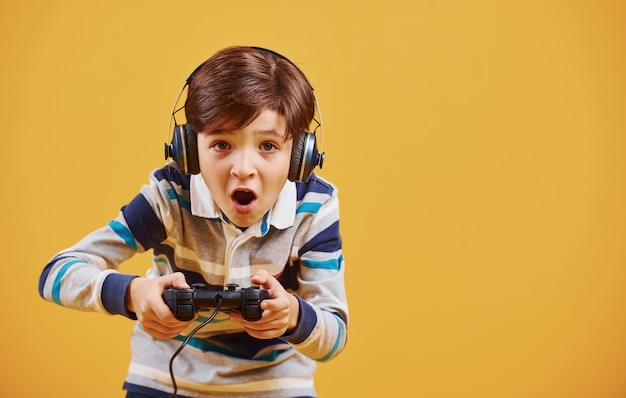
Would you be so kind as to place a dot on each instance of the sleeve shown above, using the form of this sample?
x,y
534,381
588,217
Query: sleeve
x,y
321,333
86,277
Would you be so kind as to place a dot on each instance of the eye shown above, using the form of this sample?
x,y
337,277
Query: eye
x,y
268,146
220,145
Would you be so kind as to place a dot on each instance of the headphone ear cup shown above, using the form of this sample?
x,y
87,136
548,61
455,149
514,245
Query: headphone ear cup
x,y
191,141
304,157
297,157
184,149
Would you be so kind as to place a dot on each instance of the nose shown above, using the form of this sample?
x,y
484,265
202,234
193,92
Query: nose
x,y
243,165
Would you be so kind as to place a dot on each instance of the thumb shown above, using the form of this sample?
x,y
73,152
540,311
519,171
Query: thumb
x,y
264,279
176,280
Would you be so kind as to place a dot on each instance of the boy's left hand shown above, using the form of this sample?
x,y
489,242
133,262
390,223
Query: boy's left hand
x,y
280,310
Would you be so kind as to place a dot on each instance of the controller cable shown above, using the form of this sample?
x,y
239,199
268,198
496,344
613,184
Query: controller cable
x,y
189,336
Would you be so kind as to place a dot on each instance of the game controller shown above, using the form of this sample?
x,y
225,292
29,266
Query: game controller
x,y
184,303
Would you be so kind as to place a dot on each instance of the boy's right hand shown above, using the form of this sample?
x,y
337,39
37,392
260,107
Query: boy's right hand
x,y
144,297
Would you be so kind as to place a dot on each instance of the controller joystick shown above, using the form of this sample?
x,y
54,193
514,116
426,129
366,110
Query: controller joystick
x,y
184,303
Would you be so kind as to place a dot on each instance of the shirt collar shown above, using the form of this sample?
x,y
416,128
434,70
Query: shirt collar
x,y
281,215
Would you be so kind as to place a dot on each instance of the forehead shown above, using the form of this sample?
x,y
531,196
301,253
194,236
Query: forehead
x,y
267,123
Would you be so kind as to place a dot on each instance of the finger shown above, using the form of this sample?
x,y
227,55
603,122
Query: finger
x,y
267,282
236,316
265,324
263,279
177,280
165,315
265,333
162,311
277,304
166,326
160,332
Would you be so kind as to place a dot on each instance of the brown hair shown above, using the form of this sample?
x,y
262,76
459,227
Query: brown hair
x,y
236,84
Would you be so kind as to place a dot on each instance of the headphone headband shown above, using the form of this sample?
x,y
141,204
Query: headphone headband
x,y
183,145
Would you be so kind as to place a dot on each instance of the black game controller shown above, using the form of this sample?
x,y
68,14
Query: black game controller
x,y
184,303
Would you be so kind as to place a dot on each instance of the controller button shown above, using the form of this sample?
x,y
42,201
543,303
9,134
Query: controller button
x,y
185,311
253,312
252,295
185,295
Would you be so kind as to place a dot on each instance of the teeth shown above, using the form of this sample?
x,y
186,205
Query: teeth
x,y
243,197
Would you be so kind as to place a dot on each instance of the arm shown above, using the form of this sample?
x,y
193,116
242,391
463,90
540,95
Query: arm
x,y
86,276
323,322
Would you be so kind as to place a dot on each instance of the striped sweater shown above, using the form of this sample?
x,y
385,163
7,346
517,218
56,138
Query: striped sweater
x,y
298,241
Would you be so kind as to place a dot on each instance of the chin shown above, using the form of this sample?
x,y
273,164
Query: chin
x,y
243,222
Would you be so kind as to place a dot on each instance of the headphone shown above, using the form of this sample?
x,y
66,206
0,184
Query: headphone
x,y
183,148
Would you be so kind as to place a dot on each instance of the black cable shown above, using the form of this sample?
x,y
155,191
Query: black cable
x,y
189,336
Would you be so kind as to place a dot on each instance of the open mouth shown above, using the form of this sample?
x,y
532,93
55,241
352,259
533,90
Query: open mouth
x,y
243,198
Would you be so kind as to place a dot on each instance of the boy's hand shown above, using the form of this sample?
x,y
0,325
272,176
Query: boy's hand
x,y
144,297
280,310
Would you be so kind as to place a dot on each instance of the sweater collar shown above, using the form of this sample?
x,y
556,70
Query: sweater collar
x,y
281,215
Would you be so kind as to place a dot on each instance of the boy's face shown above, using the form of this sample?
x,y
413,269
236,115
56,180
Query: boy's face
x,y
246,169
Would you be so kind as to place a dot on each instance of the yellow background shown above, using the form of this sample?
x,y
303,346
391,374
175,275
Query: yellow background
x,y
479,148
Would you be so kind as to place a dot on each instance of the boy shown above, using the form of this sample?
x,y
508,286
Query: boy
x,y
229,213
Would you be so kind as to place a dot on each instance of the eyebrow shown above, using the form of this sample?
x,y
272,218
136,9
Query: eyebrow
x,y
269,133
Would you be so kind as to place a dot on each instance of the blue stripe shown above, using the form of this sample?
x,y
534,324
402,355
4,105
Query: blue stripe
x,y
56,286
143,222
308,207
334,264
264,224
173,195
327,241
123,233
334,349
172,175
315,185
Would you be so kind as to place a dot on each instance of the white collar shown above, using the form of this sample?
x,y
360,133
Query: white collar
x,y
282,215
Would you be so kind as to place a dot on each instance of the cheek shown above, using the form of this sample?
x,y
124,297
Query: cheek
x,y
213,174
208,163
279,176
279,169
